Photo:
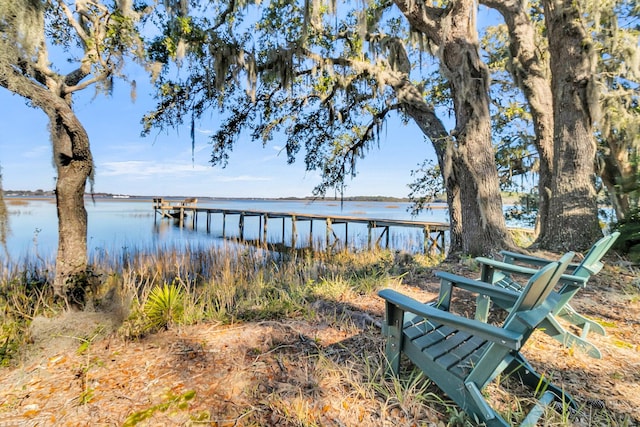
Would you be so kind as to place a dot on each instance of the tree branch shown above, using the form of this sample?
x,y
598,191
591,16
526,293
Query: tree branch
x,y
426,19
75,77
74,23
85,84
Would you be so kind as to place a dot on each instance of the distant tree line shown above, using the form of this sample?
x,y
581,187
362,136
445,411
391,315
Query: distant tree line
x,y
27,193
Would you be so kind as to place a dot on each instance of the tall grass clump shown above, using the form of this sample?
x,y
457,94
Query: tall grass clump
x,y
25,292
359,387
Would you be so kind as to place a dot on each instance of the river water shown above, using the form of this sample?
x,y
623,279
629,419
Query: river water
x,y
116,224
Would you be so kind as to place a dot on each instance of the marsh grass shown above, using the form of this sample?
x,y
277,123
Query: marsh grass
x,y
25,292
17,202
226,283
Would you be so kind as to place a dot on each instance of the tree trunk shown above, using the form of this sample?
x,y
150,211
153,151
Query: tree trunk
x,y
618,175
475,197
4,219
484,228
530,70
573,213
74,166
456,236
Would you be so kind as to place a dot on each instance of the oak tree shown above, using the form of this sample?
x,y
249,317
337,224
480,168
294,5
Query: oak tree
x,y
38,40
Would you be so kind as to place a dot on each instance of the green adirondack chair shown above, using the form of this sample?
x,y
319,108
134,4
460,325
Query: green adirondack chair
x,y
462,355
502,274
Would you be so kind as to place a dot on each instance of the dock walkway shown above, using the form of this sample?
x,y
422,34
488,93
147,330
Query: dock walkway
x,y
433,232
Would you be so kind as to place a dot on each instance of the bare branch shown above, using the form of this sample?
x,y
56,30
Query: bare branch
x,y
74,23
86,83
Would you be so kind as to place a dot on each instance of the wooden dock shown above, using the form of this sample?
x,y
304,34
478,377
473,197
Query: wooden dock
x,y
433,232
177,210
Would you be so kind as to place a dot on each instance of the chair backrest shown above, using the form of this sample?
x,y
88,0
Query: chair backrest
x,y
540,286
591,263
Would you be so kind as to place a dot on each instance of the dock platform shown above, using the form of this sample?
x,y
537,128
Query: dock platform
x,y
177,210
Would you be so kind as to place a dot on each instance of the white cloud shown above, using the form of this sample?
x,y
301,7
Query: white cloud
x,y
146,168
121,149
244,178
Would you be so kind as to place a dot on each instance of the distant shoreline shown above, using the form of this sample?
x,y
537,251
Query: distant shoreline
x,y
507,199
49,195
207,200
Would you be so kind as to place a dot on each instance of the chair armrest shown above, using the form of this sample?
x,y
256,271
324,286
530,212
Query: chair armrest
x,y
529,259
479,287
509,339
506,267
527,271
510,257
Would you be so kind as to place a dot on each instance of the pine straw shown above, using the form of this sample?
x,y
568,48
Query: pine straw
x,y
303,372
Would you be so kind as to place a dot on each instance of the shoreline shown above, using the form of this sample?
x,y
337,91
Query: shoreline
x,y
202,200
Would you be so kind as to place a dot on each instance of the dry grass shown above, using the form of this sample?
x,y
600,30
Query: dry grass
x,y
270,342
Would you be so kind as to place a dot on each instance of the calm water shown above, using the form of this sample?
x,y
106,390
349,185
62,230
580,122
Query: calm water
x,y
115,224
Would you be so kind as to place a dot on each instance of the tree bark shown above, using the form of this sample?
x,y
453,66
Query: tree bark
x,y
530,69
74,166
618,174
483,224
573,214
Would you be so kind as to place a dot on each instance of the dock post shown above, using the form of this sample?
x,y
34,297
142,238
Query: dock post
x,y
293,232
426,239
241,226
311,234
264,229
224,224
387,236
346,236
370,225
208,222
328,232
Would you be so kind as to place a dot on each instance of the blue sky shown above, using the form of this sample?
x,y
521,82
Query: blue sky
x,y
161,164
